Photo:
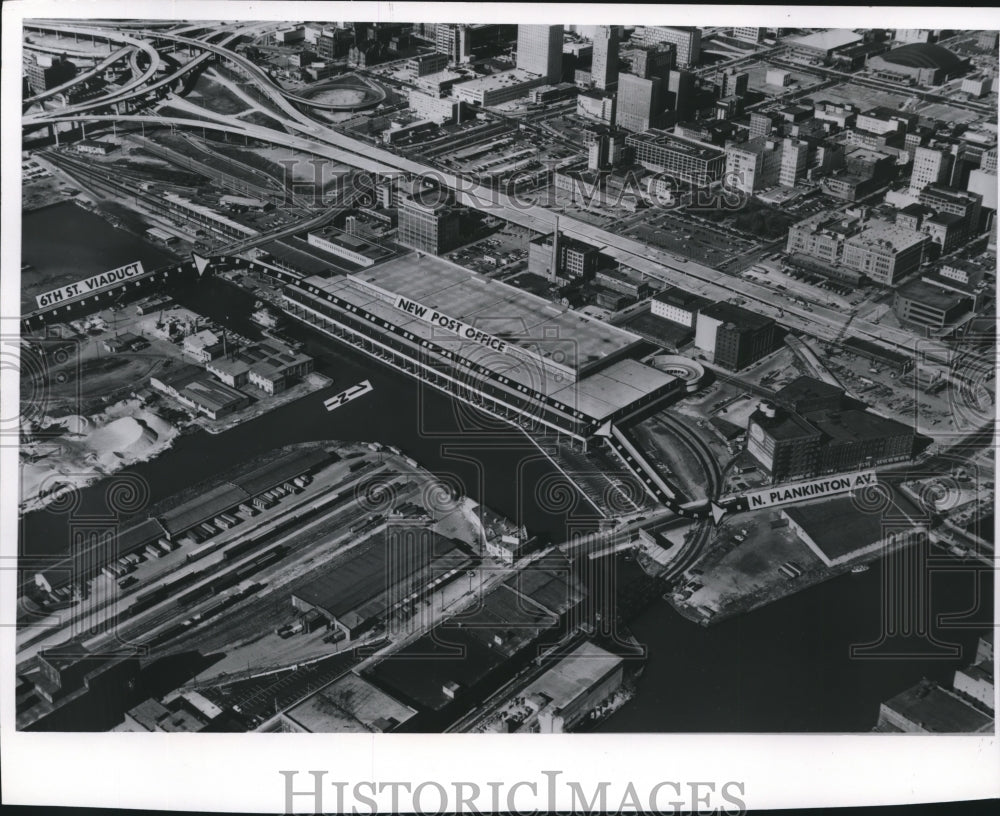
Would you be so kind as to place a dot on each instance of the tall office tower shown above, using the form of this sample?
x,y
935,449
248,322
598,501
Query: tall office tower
x,y
446,38
761,124
681,94
653,61
687,39
794,161
539,50
734,84
930,166
604,65
640,102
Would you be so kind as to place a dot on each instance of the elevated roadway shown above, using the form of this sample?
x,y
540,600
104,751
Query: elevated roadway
x,y
312,137
90,73
139,88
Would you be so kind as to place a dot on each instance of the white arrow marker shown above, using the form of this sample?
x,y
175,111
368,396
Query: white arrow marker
x,y
718,511
201,263
345,397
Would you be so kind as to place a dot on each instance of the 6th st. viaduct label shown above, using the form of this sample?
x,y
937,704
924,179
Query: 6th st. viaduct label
x,y
89,286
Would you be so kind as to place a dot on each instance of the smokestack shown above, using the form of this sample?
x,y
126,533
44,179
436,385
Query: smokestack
x,y
554,268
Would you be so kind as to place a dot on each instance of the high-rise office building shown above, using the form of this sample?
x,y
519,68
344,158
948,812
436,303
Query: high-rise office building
x,y
734,84
753,165
640,102
687,39
604,63
794,161
930,166
681,94
653,61
426,222
539,50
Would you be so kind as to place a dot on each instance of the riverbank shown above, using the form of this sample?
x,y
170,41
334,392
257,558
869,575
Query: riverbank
x,y
74,451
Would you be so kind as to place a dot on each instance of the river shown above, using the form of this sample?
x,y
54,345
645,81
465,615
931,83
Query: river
x,y
86,245
786,667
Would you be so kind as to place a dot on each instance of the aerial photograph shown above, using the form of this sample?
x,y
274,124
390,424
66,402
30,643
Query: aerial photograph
x,y
498,378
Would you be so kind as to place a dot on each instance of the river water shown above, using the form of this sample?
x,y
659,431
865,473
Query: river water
x,y
786,667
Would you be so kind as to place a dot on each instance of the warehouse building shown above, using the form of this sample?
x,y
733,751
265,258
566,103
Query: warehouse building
x,y
349,704
836,530
462,661
735,337
885,253
379,576
813,429
678,306
349,247
923,304
565,694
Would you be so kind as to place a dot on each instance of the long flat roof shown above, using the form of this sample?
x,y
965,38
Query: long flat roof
x,y
828,39
202,508
938,710
601,394
349,704
554,349
575,674
366,572
518,317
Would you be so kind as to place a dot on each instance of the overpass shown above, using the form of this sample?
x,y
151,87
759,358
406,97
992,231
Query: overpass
x,y
137,88
822,322
90,73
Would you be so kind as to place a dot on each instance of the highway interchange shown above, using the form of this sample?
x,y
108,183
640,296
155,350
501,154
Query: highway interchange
x,y
309,136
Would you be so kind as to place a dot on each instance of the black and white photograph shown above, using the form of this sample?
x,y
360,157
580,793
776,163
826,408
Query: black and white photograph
x,y
382,377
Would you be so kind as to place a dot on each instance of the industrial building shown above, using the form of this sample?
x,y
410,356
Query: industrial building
x,y
496,346
822,236
503,86
735,337
927,708
349,704
463,660
923,304
349,247
74,689
678,306
566,693
573,259
836,530
813,430
47,71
